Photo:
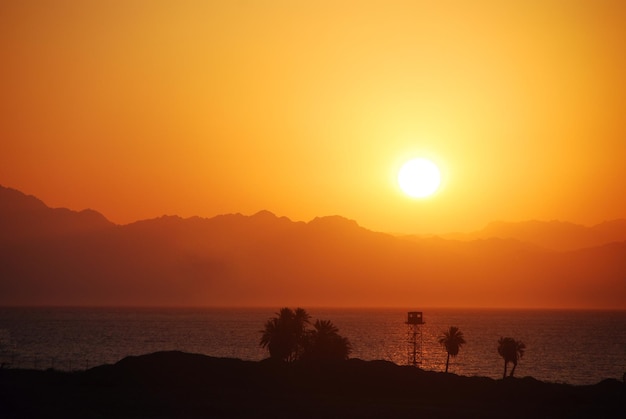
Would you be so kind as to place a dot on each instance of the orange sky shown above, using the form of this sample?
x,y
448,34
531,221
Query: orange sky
x,y
144,108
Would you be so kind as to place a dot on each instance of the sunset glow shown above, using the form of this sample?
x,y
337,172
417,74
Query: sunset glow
x,y
325,208
145,108
451,153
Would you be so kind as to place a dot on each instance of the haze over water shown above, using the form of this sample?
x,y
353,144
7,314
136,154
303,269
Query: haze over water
x,y
577,347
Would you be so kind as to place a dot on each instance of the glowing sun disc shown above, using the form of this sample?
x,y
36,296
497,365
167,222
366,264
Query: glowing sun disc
x,y
419,178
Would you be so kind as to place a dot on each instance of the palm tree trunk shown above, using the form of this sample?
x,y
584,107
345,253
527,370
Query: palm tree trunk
x,y
447,362
505,365
513,369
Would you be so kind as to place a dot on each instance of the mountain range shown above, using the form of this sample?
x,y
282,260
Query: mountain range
x,y
56,256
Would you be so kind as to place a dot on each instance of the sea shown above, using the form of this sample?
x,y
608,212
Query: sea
x,y
564,346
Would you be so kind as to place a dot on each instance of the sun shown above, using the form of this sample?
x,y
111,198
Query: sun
x,y
419,178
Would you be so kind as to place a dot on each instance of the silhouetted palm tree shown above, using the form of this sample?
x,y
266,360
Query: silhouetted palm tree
x,y
452,339
325,343
512,351
285,334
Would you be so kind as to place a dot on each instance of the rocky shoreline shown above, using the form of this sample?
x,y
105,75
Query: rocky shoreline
x,y
182,385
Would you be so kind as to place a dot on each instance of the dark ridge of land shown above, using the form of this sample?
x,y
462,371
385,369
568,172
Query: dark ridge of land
x,y
183,385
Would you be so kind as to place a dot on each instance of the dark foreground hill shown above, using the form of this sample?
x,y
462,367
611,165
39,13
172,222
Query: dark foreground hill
x,y
181,385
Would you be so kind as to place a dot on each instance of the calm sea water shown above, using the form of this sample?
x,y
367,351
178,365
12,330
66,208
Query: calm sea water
x,y
577,347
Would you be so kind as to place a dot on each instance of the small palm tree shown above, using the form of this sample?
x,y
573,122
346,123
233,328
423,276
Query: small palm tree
x,y
452,339
512,351
325,343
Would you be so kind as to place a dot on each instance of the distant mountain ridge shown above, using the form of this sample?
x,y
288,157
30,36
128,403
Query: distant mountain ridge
x,y
554,235
62,257
26,217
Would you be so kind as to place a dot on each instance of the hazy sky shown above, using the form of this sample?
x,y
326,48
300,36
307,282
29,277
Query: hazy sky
x,y
308,108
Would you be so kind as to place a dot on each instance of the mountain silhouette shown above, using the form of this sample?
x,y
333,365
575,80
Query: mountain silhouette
x,y
61,257
554,235
25,217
